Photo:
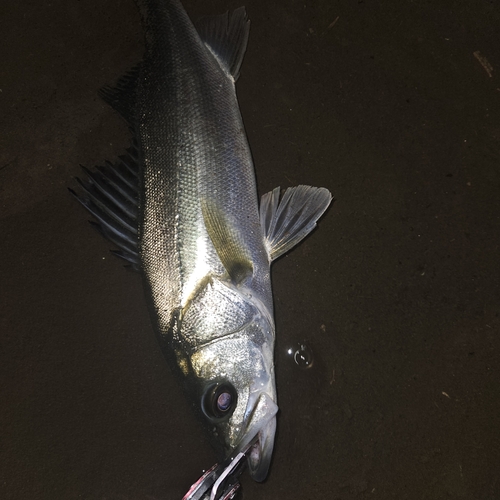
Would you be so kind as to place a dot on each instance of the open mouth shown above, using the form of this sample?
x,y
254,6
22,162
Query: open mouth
x,y
221,481
258,438
260,451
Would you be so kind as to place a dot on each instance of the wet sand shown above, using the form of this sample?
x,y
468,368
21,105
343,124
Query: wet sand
x,y
393,106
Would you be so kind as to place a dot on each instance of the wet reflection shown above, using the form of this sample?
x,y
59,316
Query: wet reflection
x,y
302,355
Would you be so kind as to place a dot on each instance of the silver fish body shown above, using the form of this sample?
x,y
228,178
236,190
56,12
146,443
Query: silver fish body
x,y
200,240
196,158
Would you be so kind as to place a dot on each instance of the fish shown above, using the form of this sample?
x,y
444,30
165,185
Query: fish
x,y
182,208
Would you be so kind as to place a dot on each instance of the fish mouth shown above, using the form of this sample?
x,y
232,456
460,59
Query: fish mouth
x,y
258,441
260,454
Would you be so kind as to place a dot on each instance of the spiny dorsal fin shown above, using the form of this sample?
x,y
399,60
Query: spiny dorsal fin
x,y
287,222
226,36
228,243
110,194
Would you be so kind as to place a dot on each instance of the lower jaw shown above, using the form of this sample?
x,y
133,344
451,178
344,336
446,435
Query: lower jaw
x,y
257,468
254,455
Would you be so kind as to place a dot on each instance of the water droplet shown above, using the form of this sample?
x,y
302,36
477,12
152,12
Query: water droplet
x,y
303,356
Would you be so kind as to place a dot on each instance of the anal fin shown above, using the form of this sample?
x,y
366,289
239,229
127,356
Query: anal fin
x,y
226,36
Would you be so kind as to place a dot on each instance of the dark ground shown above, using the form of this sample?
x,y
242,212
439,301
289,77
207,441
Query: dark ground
x,y
397,292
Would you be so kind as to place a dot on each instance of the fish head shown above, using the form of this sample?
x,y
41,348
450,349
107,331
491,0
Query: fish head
x,y
231,372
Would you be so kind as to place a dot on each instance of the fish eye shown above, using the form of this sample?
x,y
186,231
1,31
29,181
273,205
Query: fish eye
x,y
219,401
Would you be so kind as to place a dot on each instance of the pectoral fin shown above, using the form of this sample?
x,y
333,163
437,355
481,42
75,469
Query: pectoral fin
x,y
228,242
287,222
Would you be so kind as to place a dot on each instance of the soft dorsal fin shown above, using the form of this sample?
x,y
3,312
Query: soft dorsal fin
x,y
287,222
122,97
226,36
228,242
